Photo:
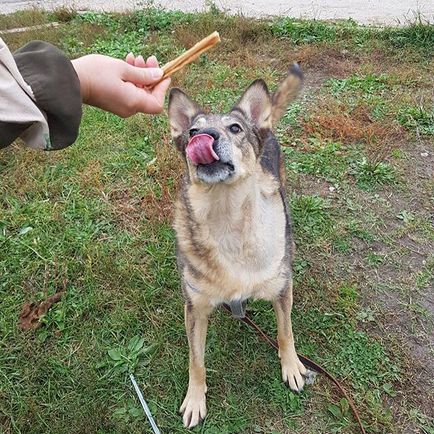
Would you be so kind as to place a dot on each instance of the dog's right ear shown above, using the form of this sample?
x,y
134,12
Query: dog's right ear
x,y
182,110
255,105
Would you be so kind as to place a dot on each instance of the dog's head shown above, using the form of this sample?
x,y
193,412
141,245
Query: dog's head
x,y
223,148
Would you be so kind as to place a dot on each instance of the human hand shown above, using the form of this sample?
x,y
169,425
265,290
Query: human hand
x,y
123,88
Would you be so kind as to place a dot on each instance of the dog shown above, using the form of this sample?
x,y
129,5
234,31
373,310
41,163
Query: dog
x,y
233,230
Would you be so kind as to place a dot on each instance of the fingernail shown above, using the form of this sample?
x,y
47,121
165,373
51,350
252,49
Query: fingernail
x,y
156,73
152,58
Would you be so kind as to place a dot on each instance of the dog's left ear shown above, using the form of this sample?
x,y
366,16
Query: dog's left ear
x,y
255,105
182,110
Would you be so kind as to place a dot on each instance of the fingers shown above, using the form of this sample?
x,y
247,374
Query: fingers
x,y
152,102
159,93
152,62
130,59
139,62
143,76
160,89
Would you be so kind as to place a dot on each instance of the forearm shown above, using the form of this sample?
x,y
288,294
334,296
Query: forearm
x,y
41,97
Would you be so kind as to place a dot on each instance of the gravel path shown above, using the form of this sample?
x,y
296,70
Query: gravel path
x,y
378,12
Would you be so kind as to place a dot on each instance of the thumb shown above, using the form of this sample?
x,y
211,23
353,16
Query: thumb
x,y
144,76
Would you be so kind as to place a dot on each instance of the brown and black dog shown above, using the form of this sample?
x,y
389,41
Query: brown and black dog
x,y
232,225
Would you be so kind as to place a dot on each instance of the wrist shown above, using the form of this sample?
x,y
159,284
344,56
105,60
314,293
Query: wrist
x,y
81,71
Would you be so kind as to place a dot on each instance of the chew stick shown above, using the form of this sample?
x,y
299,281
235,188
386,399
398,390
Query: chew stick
x,y
190,55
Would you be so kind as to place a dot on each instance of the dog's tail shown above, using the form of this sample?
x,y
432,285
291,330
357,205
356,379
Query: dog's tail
x,y
287,91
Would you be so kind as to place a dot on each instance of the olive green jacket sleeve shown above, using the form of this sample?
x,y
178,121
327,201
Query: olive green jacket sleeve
x,y
40,98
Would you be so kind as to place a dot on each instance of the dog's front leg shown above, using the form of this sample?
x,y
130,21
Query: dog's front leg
x,y
194,405
292,369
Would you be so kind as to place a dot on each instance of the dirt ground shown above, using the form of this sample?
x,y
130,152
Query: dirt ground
x,y
386,12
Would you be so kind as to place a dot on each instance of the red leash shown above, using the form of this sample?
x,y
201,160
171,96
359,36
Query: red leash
x,y
310,364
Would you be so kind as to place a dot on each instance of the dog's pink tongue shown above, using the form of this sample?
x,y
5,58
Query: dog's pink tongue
x,y
199,149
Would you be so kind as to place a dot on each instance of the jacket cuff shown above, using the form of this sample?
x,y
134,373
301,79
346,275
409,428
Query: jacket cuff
x,y
56,88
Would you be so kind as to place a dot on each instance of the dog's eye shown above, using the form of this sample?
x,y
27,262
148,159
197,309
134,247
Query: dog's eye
x,y
235,128
193,132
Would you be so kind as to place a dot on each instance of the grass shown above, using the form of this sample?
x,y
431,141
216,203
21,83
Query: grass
x,y
418,34
302,32
95,221
367,85
368,175
417,119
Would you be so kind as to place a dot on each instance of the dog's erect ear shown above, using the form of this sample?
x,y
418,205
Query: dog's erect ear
x,y
255,105
182,111
287,91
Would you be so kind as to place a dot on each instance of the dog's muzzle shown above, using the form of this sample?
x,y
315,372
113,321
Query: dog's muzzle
x,y
212,156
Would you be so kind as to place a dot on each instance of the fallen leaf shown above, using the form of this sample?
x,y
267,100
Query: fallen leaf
x,y
31,313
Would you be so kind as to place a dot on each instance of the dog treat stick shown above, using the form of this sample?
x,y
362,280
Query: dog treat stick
x,y
190,55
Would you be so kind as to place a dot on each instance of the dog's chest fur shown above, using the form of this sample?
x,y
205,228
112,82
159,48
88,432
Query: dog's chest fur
x,y
233,239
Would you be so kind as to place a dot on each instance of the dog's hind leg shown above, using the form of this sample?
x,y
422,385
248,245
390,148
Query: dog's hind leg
x,y
196,324
292,369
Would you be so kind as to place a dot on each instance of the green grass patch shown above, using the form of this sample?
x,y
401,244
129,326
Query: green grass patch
x,y
304,32
344,342
311,216
369,174
417,119
347,296
116,34
417,35
119,47
367,84
146,20
327,160
364,90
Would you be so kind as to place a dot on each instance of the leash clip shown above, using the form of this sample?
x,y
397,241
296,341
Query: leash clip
x,y
238,308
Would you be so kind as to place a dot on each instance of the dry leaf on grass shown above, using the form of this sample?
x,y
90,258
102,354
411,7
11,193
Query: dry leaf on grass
x,y
32,312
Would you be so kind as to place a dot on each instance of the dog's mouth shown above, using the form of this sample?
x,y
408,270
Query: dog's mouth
x,y
215,172
210,168
217,165
200,149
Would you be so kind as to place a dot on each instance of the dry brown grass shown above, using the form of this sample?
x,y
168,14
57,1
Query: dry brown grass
x,y
21,168
86,33
166,173
17,40
26,18
125,206
90,177
244,44
64,14
246,32
333,121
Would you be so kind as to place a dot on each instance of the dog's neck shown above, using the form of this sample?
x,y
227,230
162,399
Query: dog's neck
x,y
232,203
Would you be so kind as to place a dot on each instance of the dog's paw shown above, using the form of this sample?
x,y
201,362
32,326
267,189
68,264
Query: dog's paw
x,y
293,373
193,409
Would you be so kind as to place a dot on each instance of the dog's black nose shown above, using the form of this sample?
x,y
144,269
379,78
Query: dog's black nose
x,y
210,131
